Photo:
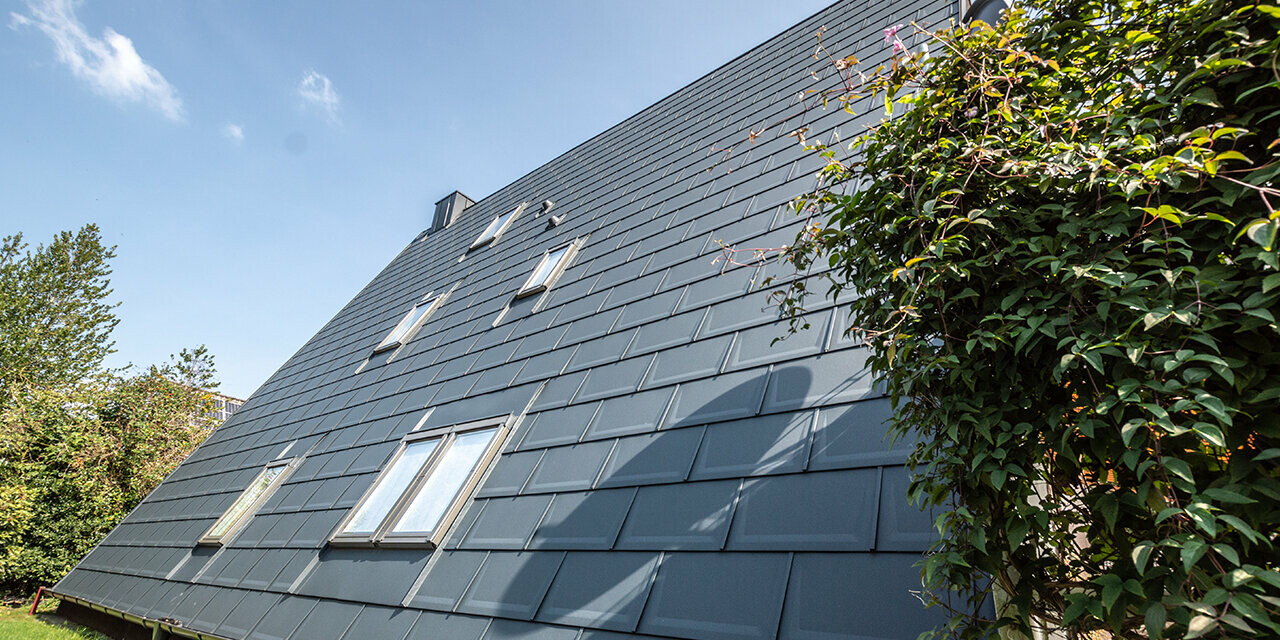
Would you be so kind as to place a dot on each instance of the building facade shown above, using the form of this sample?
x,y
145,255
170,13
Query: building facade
x,y
558,416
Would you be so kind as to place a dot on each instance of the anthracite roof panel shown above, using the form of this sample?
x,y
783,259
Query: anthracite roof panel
x,y
212,614
744,604
282,618
829,511
583,520
511,584
266,568
854,436
382,623
558,426
680,517
697,360
676,330
662,486
252,608
447,579
570,468
838,596
327,621
515,630
624,415
598,589
723,397
506,523
356,575
510,473
902,526
665,456
433,626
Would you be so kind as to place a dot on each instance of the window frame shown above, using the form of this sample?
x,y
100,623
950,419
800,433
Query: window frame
x,y
209,540
432,302
383,535
482,241
529,288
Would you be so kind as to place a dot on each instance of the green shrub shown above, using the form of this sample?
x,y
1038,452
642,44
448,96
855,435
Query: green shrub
x,y
1063,255
80,445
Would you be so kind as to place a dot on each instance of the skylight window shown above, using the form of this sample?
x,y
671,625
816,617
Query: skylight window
x,y
409,324
247,503
544,275
495,228
420,492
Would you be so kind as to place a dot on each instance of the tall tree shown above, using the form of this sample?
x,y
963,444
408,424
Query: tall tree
x,y
55,319
80,444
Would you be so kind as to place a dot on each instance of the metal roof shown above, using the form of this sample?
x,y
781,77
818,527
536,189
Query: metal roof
x,y
672,473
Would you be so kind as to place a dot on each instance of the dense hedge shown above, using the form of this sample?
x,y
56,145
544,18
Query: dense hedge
x,y
80,445
1064,250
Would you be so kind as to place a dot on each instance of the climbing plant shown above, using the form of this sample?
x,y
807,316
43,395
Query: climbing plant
x,y
1062,251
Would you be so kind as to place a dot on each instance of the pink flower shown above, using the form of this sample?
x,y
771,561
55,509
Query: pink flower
x,y
898,47
891,34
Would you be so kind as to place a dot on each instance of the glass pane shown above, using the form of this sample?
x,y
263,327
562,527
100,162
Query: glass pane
x,y
494,227
241,506
548,265
459,460
391,485
406,324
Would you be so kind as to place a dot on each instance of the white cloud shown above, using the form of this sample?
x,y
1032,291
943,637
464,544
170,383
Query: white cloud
x,y
316,89
110,64
233,132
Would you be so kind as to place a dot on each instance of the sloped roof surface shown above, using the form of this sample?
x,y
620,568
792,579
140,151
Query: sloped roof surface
x,y
672,473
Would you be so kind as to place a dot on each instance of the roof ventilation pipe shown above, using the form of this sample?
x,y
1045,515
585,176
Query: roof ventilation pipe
x,y
449,209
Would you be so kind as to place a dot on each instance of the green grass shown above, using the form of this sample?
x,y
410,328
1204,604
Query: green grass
x,y
15,624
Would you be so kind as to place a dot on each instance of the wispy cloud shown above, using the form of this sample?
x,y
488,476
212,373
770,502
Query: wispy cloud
x,y
317,90
110,64
233,132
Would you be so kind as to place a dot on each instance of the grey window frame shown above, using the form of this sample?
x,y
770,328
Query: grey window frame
x,y
432,301
382,536
481,241
530,288
209,540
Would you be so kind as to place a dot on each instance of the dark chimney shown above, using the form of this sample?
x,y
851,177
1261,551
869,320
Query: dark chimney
x,y
449,209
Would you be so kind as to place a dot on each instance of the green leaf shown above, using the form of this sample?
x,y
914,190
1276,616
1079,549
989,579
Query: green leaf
x,y
1199,626
1141,554
1155,620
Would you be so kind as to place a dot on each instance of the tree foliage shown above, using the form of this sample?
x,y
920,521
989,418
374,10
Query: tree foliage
x,y
1063,252
80,445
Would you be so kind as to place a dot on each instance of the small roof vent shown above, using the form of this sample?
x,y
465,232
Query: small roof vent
x,y
449,209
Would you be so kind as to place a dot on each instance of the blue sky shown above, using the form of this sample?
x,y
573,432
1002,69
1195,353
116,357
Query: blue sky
x,y
258,162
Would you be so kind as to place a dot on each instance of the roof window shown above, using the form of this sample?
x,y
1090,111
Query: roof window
x,y
247,503
495,228
553,263
408,325
420,492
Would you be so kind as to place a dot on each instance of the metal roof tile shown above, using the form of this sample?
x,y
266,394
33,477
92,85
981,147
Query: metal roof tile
x,y
606,590
855,596
283,618
837,512
505,523
745,603
511,584
777,443
724,397
583,520
665,456
689,516
570,468
432,625
827,379
447,579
